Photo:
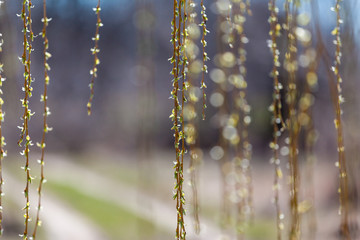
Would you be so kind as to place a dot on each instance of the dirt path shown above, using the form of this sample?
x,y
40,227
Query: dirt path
x,y
60,221
101,187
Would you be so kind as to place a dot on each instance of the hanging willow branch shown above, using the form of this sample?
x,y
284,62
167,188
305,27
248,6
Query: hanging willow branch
x,y
46,129
190,115
343,177
241,117
26,61
2,139
220,76
277,121
291,67
306,120
95,51
184,62
179,61
205,56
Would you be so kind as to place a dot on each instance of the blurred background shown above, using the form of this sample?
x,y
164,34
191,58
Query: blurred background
x,y
110,174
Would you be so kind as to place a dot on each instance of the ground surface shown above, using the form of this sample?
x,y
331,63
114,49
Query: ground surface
x,y
86,194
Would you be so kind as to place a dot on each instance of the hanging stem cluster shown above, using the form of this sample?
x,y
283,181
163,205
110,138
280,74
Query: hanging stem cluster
x,y
291,66
246,119
220,76
182,232
179,61
241,113
230,97
276,106
204,54
306,120
26,61
46,128
190,113
2,139
95,51
343,176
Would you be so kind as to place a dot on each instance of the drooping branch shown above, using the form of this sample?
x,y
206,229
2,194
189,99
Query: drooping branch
x,y
276,106
2,138
95,51
341,163
26,61
46,113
